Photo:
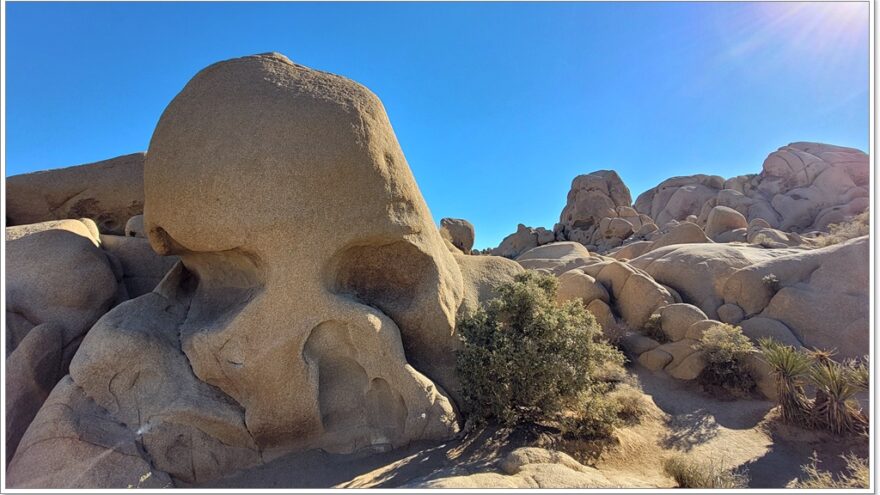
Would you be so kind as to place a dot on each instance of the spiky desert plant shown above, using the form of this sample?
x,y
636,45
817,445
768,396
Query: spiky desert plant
x,y
834,407
860,372
790,367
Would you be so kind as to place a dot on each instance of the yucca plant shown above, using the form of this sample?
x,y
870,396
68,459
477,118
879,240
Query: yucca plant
x,y
835,408
790,367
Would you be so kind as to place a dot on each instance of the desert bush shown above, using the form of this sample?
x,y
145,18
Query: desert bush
x,y
858,226
856,475
593,415
790,368
693,473
726,350
654,329
526,359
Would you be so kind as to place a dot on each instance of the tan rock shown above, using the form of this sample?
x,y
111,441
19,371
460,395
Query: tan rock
x,y
679,351
684,233
699,271
75,444
557,257
575,284
56,276
640,298
142,268
724,219
460,233
689,368
730,313
656,359
593,197
84,227
109,192
637,344
262,339
603,314
32,371
676,319
759,327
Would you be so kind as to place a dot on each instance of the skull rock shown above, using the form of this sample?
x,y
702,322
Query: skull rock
x,y
300,329
264,340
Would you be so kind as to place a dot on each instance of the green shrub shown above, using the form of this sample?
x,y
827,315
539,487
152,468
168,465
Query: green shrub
x,y
726,349
692,473
654,329
857,475
526,359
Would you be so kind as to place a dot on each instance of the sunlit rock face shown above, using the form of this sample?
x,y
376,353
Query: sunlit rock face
x,y
314,304
109,192
802,187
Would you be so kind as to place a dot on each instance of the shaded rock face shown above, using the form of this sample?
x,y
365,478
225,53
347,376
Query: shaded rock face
x,y
802,187
261,341
108,192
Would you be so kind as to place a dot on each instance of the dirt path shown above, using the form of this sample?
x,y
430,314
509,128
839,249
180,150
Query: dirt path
x,y
738,434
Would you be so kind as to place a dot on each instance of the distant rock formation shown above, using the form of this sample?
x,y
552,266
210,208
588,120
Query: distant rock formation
x,y
108,192
802,187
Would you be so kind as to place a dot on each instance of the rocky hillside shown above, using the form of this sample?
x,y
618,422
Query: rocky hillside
x,y
801,190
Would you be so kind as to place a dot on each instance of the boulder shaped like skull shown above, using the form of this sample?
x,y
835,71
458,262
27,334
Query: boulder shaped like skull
x,y
314,304
285,192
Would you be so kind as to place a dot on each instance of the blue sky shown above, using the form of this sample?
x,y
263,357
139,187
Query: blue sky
x,y
497,106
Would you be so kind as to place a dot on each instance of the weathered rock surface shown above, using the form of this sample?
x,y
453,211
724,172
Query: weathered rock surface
x,y
56,276
699,271
32,370
522,240
74,443
109,192
459,232
262,341
557,257
142,268
526,467
821,294
802,187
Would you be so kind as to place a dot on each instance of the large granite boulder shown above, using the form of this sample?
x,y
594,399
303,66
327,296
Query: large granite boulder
x,y
821,295
109,192
262,340
459,232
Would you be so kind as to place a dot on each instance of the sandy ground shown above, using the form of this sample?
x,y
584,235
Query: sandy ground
x,y
738,434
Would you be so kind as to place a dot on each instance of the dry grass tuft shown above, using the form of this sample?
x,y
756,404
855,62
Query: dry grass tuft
x,y
857,475
858,226
692,473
